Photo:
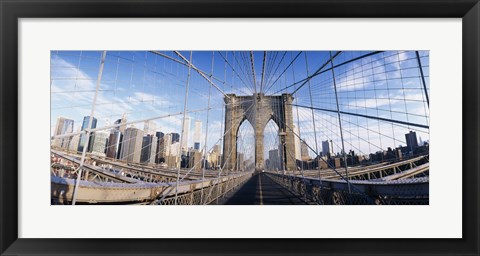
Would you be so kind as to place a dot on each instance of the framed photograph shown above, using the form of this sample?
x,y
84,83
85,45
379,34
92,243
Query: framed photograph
x,y
224,127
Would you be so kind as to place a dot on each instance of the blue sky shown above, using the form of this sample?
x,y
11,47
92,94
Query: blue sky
x,y
142,85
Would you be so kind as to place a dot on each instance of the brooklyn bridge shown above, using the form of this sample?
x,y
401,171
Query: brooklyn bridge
x,y
269,127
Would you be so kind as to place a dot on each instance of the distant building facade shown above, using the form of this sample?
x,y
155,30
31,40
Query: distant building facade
x,y
197,134
327,148
83,136
305,155
412,142
274,159
175,137
114,144
149,127
132,145
99,142
74,141
63,126
186,133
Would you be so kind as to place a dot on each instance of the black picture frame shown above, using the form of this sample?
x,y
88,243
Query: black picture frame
x,y
11,11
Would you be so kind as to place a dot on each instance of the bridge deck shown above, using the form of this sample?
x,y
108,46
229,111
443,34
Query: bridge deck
x,y
261,190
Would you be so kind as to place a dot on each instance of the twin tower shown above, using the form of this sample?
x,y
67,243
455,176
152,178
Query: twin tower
x,y
258,109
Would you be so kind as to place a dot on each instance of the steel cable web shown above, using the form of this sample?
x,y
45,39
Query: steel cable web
x,y
350,110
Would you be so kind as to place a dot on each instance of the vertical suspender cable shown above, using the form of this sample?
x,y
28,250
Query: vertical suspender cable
x,y
298,119
263,70
340,124
311,104
252,60
183,125
206,132
222,165
423,78
87,135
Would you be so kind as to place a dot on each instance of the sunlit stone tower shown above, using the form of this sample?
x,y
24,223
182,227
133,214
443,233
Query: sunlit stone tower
x,y
258,109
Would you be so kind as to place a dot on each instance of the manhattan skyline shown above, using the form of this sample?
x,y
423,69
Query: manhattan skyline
x,y
240,127
142,84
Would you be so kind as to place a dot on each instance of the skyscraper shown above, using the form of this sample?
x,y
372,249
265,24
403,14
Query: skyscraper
x,y
122,122
99,142
274,157
159,135
194,159
164,147
86,119
74,140
240,161
214,155
175,149
114,144
412,142
63,126
186,131
216,149
83,136
327,147
197,134
160,147
167,140
305,155
132,145
175,137
149,127
149,146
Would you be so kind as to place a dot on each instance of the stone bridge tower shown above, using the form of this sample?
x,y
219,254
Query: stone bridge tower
x,y
258,109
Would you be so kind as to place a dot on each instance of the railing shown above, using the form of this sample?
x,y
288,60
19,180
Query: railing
x,y
398,192
96,169
211,193
189,192
370,172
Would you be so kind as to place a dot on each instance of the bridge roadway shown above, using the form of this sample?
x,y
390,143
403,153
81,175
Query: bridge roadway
x,y
261,190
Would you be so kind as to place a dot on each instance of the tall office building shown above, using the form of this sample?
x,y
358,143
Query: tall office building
x,y
298,152
175,137
99,142
114,144
74,140
159,135
165,151
63,126
86,119
149,147
115,138
186,132
83,136
194,159
122,122
274,159
327,147
411,139
175,149
164,147
213,156
197,134
304,149
149,127
132,145
216,149
240,161
160,147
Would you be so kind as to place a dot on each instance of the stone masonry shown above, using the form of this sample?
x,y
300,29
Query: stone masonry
x,y
258,109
